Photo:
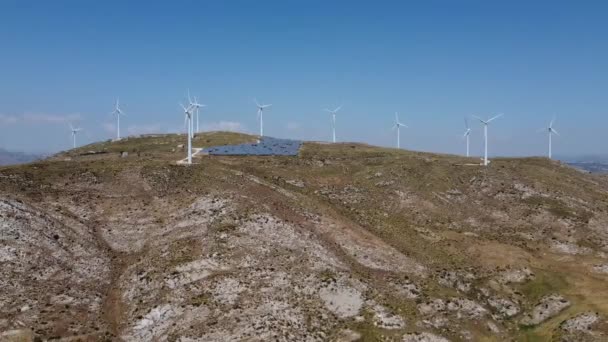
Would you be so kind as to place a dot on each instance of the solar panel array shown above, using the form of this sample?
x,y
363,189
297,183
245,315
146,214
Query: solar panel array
x,y
266,147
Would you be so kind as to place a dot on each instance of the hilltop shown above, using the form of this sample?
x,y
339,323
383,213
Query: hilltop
x,y
343,242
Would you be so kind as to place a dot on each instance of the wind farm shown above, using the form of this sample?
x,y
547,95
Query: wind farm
x,y
192,125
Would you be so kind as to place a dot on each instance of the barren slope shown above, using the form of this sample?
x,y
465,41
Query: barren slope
x,y
343,242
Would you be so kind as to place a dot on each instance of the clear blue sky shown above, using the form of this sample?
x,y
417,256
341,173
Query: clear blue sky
x,y
432,61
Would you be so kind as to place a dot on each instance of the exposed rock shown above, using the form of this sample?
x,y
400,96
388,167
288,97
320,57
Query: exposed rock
x,y
348,335
386,320
154,324
47,256
343,301
407,289
436,322
432,307
515,276
581,322
596,268
17,335
462,307
493,327
295,182
456,280
504,307
548,307
423,337
466,307
569,248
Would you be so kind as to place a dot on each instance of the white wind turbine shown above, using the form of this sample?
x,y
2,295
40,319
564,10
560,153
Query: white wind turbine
x,y
550,130
333,121
485,135
196,106
398,126
117,112
188,121
467,133
261,115
74,131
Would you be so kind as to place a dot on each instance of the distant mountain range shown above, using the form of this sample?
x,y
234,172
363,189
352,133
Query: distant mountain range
x,y
11,158
589,163
592,167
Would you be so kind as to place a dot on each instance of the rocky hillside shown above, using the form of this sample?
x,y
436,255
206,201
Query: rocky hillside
x,y
344,242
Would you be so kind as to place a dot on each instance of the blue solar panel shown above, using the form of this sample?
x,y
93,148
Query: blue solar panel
x,y
266,147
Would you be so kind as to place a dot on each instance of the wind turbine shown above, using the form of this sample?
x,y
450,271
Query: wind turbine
x,y
398,126
188,121
333,121
117,112
196,106
74,131
550,130
261,115
467,133
485,135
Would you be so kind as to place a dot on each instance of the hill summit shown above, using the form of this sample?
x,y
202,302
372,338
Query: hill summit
x,y
343,242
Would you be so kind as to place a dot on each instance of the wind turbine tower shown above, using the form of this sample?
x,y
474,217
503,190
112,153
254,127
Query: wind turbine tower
x,y
117,112
333,121
188,119
196,106
397,127
74,131
485,124
261,115
467,133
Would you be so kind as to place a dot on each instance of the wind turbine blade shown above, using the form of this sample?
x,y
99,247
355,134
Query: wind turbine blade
x,y
494,118
466,123
554,131
337,109
256,102
480,119
189,99
184,108
552,122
